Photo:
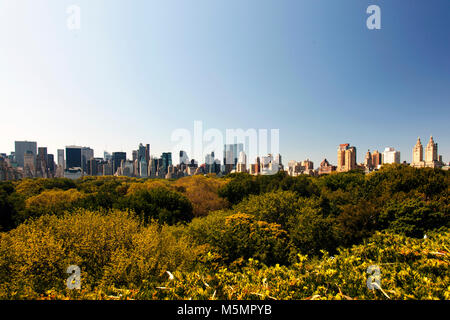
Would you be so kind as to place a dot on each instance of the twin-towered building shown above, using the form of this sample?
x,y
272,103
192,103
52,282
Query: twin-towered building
x,y
432,160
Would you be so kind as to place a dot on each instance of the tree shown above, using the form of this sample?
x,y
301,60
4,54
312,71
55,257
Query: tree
x,y
160,204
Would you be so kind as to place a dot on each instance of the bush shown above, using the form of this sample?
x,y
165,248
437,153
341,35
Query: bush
x,y
110,248
240,236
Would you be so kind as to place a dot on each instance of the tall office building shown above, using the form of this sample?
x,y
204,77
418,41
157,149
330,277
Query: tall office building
x,y
390,155
92,166
147,153
51,165
61,161
73,157
142,152
346,158
23,147
29,165
141,160
86,155
134,155
143,168
166,161
41,162
184,159
117,158
230,155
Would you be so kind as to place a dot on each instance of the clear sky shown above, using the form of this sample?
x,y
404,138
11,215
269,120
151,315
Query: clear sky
x,y
138,70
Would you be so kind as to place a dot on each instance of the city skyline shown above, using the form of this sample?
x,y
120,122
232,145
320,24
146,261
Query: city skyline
x,y
311,69
77,161
359,157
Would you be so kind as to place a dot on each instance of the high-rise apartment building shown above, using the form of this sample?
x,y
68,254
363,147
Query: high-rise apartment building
x,y
368,161
346,158
417,153
376,159
432,159
390,155
431,152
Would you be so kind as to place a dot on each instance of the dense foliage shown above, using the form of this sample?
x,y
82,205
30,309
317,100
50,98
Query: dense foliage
x,y
238,237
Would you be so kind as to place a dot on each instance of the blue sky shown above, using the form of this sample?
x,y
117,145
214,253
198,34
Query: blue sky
x,y
138,70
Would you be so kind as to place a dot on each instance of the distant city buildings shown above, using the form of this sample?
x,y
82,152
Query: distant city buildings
x,y
298,168
29,161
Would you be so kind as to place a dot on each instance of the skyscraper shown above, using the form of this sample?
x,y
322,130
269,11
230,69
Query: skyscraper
x,y
86,154
51,165
368,160
41,162
61,161
231,153
23,147
117,158
147,153
184,159
166,161
29,165
73,157
107,156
